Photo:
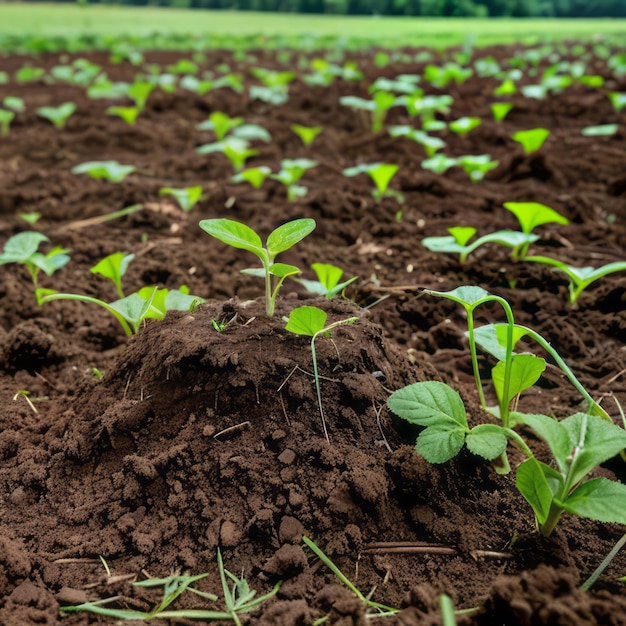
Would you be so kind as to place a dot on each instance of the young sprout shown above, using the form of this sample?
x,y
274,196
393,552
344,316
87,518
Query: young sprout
x,y
603,130
618,100
187,197
139,91
531,140
29,74
236,150
220,123
439,163
30,218
114,267
327,283
464,125
307,134
380,103
240,236
477,165
579,277
128,114
500,110
58,115
381,175
22,248
254,175
430,144
196,85
109,170
311,322
6,117
291,171
14,103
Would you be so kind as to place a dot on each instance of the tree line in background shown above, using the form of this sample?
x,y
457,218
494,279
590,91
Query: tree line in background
x,y
431,8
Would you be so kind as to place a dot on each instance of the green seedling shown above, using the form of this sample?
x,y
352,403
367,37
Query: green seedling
x,y
132,311
464,125
254,175
187,197
579,277
603,130
426,107
275,96
382,610
284,237
618,100
22,248
139,91
58,115
310,321
441,76
30,218
236,150
114,267
6,117
14,103
291,171
24,393
477,165
327,283
28,74
500,110
272,78
439,163
402,84
430,144
307,134
381,175
128,114
221,124
196,85
380,103
506,88
531,140
183,66
105,89
109,170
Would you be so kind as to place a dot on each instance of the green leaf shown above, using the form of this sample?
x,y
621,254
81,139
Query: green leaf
x,y
466,295
439,444
486,440
254,175
113,266
599,499
532,139
533,485
133,308
525,372
533,214
492,338
594,441
128,114
282,270
58,115
602,130
20,247
328,275
289,234
552,432
111,170
430,403
234,234
187,198
306,320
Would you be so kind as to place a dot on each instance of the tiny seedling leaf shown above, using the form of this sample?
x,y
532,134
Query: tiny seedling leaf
x,y
525,372
110,170
531,140
487,441
306,320
533,214
289,234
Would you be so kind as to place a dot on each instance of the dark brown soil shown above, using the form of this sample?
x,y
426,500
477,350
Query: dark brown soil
x,y
196,440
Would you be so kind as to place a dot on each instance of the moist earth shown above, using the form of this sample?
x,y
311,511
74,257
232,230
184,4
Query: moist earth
x,y
153,452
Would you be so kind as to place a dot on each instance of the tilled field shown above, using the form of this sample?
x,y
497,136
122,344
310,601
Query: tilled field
x,y
195,440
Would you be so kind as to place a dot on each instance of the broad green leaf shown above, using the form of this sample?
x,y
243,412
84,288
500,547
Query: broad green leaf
x,y
533,214
430,403
439,163
58,115
306,320
533,485
486,440
282,270
20,247
531,140
462,234
133,308
492,338
382,175
438,444
328,275
111,170
464,125
113,266
445,243
525,372
552,432
254,175
466,295
179,300
234,234
594,441
127,113
306,133
51,262
289,234
599,499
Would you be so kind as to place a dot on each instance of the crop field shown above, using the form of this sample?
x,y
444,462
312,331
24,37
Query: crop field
x,y
294,336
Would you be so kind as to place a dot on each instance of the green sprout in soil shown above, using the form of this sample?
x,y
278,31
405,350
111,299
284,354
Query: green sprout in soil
x,y
22,248
531,140
114,267
255,176
381,175
139,91
441,76
477,165
327,283
618,100
58,115
221,124
311,322
24,393
439,163
238,599
578,443
307,134
237,150
382,610
378,106
500,110
128,114
464,125
29,74
109,170
14,103
603,130
186,197
430,144
284,237
6,117
426,107
291,171
579,277
30,218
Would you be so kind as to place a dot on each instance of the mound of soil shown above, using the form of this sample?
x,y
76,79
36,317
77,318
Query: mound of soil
x,y
155,451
